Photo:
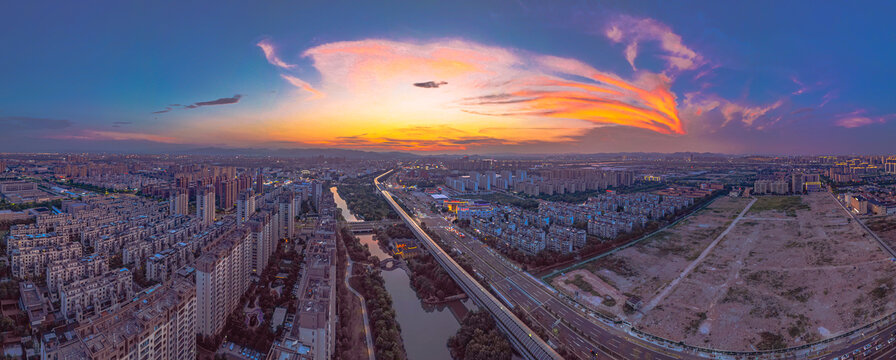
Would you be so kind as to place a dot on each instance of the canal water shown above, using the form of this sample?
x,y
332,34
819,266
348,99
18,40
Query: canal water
x,y
425,329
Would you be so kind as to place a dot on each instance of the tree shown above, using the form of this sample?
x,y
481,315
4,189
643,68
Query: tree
x,y
479,339
6,323
115,262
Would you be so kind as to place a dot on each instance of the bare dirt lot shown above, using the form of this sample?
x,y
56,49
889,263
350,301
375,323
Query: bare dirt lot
x,y
641,270
793,270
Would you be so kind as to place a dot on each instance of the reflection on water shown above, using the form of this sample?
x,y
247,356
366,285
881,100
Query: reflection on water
x,y
425,329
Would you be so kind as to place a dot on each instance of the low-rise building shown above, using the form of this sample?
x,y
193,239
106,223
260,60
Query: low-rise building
x,y
160,323
94,295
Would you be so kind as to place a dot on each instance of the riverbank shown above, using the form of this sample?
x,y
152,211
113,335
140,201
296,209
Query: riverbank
x,y
368,281
353,336
429,280
425,329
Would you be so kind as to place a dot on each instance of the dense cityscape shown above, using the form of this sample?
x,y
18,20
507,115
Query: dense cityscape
x,y
120,256
447,180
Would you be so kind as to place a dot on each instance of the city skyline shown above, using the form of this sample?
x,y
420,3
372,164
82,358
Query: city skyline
x,y
525,77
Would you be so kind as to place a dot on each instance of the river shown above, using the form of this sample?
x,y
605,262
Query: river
x,y
425,329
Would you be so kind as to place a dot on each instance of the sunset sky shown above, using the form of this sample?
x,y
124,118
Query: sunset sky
x,y
450,77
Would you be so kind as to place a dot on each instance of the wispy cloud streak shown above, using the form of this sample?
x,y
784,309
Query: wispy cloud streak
x,y
634,31
299,83
271,55
220,101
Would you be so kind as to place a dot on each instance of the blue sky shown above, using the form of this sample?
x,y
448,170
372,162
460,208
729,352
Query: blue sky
x,y
745,77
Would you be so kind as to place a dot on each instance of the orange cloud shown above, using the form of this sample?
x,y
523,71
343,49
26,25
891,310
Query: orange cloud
x,y
420,138
859,118
114,135
315,94
370,85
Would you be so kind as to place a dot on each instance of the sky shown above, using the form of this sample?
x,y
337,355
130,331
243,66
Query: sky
x,y
477,77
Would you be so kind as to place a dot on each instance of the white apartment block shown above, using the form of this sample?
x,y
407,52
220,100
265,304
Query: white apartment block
x,y
205,205
287,215
263,241
62,272
222,276
96,294
160,324
26,262
245,206
178,203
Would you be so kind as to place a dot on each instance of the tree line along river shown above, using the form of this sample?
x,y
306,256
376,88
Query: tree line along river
x,y
425,329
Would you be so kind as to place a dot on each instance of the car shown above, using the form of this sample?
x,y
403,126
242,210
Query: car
x,y
866,347
879,347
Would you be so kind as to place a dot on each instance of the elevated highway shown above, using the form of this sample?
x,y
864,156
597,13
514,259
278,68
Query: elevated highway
x,y
523,339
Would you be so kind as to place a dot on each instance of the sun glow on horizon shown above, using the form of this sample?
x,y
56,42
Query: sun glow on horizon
x,y
455,94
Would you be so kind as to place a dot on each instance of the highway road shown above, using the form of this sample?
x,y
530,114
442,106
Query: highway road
x,y
543,306
571,326
577,331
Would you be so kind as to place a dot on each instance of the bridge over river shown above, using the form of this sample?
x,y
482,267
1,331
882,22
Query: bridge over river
x,y
362,227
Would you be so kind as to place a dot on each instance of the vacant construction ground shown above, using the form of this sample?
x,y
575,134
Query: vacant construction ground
x,y
642,270
794,270
884,227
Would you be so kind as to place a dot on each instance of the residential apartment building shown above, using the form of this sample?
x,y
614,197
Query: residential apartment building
x,y
245,206
159,324
94,295
222,276
178,203
205,205
67,271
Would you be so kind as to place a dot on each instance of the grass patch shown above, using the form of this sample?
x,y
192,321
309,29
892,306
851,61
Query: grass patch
x,y
799,328
787,204
884,288
770,341
694,325
882,224
583,285
773,279
615,264
801,294
736,294
504,199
